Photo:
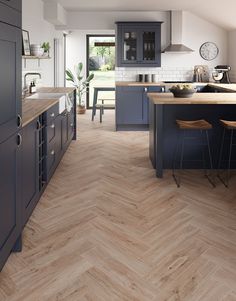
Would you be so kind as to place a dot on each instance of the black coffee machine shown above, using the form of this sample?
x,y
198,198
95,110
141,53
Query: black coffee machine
x,y
221,74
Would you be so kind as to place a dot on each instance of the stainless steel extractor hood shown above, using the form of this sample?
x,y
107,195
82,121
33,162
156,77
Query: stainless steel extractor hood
x,y
176,35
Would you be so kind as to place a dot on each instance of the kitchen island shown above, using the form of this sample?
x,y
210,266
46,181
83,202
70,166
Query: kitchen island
x,y
164,109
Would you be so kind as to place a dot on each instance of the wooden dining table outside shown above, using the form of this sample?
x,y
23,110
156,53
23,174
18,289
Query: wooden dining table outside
x,y
95,97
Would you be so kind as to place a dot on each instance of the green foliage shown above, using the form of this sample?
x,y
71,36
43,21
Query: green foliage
x,y
46,46
106,67
78,81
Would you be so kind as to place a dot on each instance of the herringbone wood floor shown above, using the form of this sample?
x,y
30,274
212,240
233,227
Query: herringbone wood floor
x,y
106,229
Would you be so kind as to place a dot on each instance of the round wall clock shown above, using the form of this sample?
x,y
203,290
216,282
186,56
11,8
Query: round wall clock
x,y
209,51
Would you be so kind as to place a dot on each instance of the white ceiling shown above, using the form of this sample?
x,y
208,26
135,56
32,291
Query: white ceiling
x,y
219,12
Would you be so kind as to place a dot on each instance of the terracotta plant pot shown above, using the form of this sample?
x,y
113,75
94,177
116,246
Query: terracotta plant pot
x,y
81,109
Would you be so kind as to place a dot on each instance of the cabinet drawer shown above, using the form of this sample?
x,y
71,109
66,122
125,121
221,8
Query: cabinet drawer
x,y
51,131
71,124
51,157
52,113
9,15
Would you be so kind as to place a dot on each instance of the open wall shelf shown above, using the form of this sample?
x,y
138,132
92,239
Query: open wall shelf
x,y
30,57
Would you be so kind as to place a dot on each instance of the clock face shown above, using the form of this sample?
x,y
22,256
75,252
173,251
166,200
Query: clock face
x,y
209,51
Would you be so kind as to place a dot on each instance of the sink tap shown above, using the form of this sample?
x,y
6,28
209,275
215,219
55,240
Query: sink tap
x,y
25,77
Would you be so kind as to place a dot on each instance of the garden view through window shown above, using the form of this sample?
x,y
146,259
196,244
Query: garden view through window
x,y
101,61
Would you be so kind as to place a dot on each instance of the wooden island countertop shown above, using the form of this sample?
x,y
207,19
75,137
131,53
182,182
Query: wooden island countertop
x,y
197,98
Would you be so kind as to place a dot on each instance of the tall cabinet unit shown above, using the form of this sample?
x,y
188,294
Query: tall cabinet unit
x,y
138,44
10,127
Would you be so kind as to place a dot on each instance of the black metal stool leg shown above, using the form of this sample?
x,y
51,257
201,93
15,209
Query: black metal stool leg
x,y
174,160
230,155
220,157
203,153
210,158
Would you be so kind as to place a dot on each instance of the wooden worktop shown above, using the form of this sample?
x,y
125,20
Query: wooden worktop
x,y
66,90
197,98
224,87
32,108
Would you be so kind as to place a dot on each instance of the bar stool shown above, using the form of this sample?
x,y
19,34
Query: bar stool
x,y
197,125
231,127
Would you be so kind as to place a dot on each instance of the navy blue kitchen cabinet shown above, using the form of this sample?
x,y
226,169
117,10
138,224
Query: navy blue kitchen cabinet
x,y
10,201
132,106
30,168
129,106
138,44
67,128
10,128
146,90
16,4
10,80
54,140
10,12
64,129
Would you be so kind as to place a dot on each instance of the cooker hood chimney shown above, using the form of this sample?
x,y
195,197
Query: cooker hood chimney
x,y
176,34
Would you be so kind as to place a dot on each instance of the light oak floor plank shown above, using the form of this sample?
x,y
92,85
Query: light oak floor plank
x,y
107,229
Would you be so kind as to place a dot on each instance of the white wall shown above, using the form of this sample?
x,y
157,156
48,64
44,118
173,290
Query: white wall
x,y
232,52
76,46
195,32
40,31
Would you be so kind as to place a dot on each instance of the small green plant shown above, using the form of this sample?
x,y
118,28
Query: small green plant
x,y
46,47
78,81
106,67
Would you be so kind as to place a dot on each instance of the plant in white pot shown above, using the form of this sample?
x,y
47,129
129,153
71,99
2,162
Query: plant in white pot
x,y
80,84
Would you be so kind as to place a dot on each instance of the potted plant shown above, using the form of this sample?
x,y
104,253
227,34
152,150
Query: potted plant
x,y
80,84
46,47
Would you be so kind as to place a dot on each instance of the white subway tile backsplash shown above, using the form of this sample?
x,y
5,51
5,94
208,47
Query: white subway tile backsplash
x,y
164,73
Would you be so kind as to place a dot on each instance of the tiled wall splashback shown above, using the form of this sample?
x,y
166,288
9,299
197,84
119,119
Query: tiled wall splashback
x,y
233,76
163,73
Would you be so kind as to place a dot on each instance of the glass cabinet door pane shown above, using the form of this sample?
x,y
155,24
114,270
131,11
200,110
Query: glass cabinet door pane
x,y
149,45
130,46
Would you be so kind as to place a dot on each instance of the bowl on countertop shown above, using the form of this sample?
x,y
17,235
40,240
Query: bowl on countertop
x,y
183,91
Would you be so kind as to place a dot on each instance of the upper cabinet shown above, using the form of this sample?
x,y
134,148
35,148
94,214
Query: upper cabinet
x,y
138,44
10,80
16,4
10,12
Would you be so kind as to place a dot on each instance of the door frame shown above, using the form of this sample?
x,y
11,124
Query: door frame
x,y
87,59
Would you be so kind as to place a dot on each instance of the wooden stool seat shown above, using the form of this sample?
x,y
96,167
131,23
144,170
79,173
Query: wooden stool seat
x,y
230,125
194,125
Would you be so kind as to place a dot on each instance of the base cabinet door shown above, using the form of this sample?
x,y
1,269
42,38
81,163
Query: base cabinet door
x,y
54,145
30,168
129,105
146,90
64,130
10,202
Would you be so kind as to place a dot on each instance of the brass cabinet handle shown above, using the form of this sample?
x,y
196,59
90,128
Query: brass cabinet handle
x,y
72,124
53,152
145,89
53,126
19,140
19,121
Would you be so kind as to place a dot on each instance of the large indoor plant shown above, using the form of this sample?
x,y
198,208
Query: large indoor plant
x,y
80,84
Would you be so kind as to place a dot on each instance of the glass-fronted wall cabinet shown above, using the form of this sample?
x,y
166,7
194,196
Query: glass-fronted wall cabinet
x,y
138,44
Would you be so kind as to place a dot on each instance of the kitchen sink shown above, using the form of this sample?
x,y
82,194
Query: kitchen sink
x,y
60,96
